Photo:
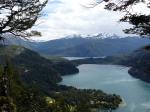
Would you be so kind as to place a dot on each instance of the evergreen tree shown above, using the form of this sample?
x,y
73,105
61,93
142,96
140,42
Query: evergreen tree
x,y
6,102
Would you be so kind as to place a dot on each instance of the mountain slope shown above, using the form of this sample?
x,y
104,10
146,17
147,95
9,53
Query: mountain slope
x,y
138,61
16,97
92,46
34,69
39,74
141,66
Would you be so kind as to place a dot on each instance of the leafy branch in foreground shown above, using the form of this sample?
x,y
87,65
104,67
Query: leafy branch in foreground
x,y
17,16
140,21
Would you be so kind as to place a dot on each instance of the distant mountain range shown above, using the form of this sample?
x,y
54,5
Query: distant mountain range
x,y
90,46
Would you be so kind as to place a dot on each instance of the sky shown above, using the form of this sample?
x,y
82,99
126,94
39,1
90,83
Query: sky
x,y
68,17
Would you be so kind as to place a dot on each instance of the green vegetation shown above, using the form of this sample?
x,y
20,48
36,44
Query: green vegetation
x,y
15,97
18,21
141,67
31,85
62,65
83,100
35,69
137,61
139,20
115,60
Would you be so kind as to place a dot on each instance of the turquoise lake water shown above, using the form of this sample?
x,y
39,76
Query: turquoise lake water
x,y
113,79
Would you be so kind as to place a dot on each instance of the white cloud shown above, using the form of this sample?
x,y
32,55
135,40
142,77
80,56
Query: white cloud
x,y
66,17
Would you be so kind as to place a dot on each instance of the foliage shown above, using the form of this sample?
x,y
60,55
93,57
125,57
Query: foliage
x,y
19,98
137,61
35,69
17,16
82,100
42,93
140,21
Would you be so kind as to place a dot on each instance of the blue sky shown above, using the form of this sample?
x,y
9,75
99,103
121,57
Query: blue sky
x,y
68,17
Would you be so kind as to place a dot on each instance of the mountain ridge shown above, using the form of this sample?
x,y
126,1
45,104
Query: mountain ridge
x,y
35,69
79,46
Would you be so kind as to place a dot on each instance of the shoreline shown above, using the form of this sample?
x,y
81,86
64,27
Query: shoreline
x,y
139,74
123,103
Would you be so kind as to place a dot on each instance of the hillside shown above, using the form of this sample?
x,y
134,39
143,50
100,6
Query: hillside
x,y
16,97
90,47
137,61
79,46
34,69
37,90
141,68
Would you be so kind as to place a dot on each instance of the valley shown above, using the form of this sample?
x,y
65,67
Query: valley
x,y
55,77
74,55
35,73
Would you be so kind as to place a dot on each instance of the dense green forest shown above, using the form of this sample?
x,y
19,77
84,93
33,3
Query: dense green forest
x,y
15,97
27,85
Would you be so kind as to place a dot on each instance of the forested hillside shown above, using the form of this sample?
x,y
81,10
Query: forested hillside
x,y
35,69
137,61
30,84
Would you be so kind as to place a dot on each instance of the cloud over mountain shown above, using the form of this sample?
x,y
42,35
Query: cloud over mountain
x,y
67,17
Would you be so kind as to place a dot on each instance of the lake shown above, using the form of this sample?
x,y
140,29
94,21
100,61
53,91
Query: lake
x,y
76,58
113,79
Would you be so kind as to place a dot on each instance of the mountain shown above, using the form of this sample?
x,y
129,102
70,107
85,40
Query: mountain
x,y
91,47
37,90
86,46
141,67
35,69
138,61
